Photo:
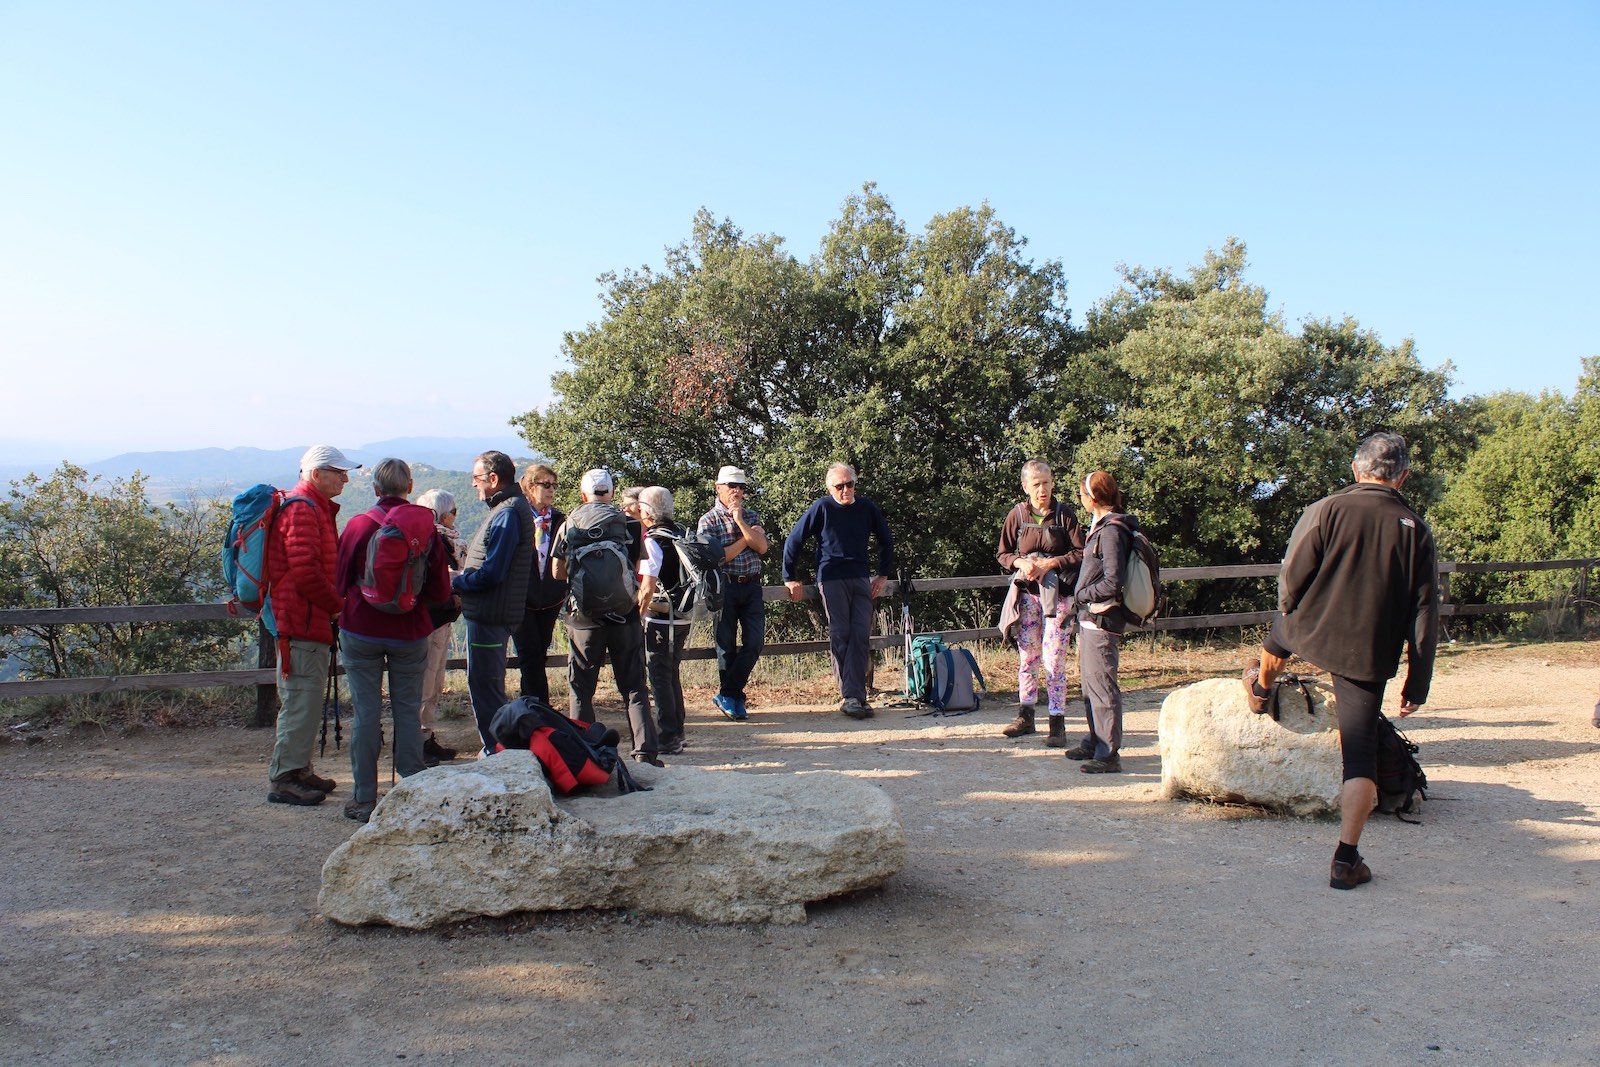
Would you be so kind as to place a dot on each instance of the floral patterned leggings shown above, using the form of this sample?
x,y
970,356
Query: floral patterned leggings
x,y
1042,643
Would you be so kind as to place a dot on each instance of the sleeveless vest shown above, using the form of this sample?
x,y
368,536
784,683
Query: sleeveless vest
x,y
504,604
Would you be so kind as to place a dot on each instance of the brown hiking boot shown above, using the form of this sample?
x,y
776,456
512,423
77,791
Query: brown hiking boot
x,y
1349,875
1058,732
1112,764
315,781
289,789
1252,674
359,810
1023,724
1083,750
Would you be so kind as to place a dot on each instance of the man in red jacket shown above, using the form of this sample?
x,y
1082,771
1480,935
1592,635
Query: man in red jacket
x,y
373,639
1358,585
304,602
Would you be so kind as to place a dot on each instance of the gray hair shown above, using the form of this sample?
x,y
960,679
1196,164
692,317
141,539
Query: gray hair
x,y
827,478
391,477
1036,468
657,499
442,501
632,492
1382,456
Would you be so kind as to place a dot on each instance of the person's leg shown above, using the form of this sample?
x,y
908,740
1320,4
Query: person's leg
x,y
662,646
532,642
726,635
433,678
1357,705
300,695
407,665
486,674
363,667
585,654
1057,642
1030,645
1100,657
752,618
861,634
836,609
625,642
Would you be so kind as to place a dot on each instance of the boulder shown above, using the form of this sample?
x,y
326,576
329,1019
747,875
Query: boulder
x,y
1213,747
487,838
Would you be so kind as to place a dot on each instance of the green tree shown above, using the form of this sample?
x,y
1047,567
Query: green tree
x,y
75,541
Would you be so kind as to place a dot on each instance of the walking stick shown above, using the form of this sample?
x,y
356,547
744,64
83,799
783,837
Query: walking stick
x,y
330,700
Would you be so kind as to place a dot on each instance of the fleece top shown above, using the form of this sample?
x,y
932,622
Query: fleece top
x,y
842,532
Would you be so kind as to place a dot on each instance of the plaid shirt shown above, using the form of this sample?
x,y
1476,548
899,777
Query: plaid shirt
x,y
718,523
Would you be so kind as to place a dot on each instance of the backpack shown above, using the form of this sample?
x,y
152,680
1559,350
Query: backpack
x,y
698,594
958,684
920,666
600,575
244,550
1400,776
397,558
1142,598
572,753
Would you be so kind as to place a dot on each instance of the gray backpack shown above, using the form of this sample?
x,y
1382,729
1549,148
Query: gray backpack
x,y
958,684
601,577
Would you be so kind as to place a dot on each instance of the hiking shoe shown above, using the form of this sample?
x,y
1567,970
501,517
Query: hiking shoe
x,y
1082,751
290,790
729,707
1349,875
315,781
436,753
1022,725
672,746
744,708
648,757
359,810
1258,703
856,709
1058,732
1112,764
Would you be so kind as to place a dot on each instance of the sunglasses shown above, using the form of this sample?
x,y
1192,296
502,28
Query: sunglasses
x,y
545,485
734,485
842,486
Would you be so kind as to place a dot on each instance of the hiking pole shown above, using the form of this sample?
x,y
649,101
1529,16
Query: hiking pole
x,y
907,627
330,700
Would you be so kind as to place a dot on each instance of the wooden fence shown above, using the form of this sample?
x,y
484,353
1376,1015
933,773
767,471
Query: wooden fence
x,y
264,676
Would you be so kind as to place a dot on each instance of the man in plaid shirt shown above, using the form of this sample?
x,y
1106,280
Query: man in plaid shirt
x,y
744,542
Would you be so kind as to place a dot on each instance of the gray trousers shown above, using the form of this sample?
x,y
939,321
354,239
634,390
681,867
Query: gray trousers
x,y
364,664
624,641
1099,656
300,696
848,605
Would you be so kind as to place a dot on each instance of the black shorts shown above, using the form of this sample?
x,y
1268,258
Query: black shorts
x,y
1356,704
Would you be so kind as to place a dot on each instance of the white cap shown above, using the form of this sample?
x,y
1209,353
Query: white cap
x,y
731,476
318,457
596,481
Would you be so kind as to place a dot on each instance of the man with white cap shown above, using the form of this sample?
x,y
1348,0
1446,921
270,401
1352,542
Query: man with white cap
x,y
493,583
744,543
617,633
302,551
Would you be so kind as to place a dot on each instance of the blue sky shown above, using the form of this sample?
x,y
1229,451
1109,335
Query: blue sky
x,y
268,224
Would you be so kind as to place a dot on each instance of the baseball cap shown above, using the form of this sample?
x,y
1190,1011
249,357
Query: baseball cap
x,y
318,457
596,481
731,476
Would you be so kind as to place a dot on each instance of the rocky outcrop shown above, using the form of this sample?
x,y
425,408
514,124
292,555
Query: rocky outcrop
x,y
1214,748
487,838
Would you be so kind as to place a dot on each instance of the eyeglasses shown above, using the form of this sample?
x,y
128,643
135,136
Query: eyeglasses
x,y
734,485
476,478
545,485
842,486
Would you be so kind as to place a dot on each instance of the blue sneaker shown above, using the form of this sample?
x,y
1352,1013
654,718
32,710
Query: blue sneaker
x,y
728,706
744,710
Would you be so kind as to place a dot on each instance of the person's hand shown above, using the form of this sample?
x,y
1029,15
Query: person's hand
x,y
797,592
1407,707
879,584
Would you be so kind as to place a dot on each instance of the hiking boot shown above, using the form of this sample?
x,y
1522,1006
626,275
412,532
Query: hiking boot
x,y
359,810
856,709
1022,725
672,746
1259,702
433,753
1349,875
1112,764
315,781
289,789
1081,751
648,757
729,707
1058,732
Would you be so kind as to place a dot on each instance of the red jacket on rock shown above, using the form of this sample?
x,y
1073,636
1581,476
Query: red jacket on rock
x,y
300,560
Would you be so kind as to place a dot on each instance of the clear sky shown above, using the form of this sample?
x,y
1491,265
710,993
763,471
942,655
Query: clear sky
x,y
267,224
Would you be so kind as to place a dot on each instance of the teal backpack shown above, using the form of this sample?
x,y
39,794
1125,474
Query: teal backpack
x,y
919,667
244,552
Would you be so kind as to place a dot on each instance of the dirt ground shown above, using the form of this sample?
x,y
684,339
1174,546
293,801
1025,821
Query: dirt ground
x,y
157,910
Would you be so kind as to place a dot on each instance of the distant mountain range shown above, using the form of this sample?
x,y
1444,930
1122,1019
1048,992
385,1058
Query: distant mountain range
x,y
219,471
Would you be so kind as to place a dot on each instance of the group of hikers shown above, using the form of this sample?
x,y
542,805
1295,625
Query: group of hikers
x,y
1358,587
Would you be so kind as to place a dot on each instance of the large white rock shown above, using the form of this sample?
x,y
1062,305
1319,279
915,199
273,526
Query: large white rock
x,y
1213,747
486,838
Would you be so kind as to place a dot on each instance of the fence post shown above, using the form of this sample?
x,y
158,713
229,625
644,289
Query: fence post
x,y
1583,592
266,694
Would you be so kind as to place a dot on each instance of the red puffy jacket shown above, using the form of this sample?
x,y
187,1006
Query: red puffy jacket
x,y
300,564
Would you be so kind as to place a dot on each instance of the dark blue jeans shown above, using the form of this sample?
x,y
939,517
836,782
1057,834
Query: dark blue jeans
x,y
847,602
741,608
486,674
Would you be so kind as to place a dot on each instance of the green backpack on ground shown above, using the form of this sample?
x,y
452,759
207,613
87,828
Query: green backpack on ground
x,y
919,667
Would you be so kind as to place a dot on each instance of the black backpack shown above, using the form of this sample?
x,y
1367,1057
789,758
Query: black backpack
x,y
601,580
572,753
697,595
1400,777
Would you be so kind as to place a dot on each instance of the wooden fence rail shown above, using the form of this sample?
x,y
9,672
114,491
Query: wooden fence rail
x,y
265,677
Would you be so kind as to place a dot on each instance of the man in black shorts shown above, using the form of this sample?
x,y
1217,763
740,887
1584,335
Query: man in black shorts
x,y
1358,584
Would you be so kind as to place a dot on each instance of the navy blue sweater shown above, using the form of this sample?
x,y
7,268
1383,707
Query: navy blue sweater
x,y
841,532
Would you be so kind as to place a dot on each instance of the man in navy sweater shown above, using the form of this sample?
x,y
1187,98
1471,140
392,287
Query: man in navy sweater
x,y
843,523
